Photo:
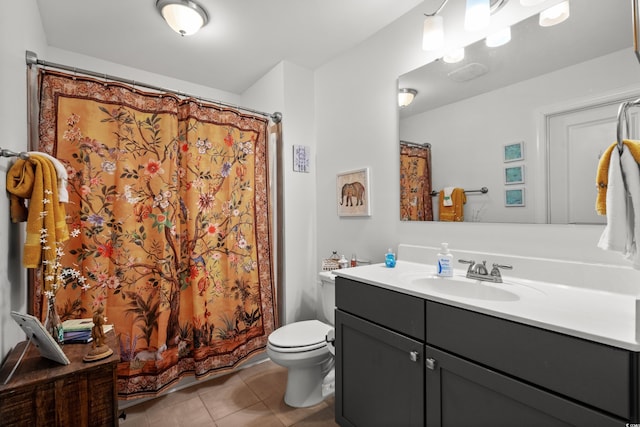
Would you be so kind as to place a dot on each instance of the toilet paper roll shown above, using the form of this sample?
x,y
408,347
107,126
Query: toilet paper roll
x,y
331,341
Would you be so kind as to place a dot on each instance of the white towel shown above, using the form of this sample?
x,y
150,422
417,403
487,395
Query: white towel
x,y
614,237
631,176
446,199
622,232
61,171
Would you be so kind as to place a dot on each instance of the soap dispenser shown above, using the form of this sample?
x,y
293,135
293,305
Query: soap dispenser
x,y
445,262
390,259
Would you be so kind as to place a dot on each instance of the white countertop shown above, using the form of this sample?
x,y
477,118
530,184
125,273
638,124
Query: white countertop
x,y
600,316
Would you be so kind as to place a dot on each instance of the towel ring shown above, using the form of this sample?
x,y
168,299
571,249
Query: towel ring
x,y
623,116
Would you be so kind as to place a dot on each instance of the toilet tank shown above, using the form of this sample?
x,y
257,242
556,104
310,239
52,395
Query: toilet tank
x,y
327,296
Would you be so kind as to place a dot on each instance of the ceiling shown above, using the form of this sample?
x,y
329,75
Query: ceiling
x,y
590,32
243,40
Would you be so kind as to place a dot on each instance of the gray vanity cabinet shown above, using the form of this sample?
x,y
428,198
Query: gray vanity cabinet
x,y
405,361
380,369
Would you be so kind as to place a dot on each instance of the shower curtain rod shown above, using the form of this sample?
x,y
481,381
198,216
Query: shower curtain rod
x,y
416,144
32,59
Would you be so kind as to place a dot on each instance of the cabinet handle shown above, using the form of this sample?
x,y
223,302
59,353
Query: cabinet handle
x,y
431,363
413,356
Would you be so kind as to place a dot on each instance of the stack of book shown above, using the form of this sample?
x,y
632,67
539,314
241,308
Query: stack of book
x,y
74,337
79,330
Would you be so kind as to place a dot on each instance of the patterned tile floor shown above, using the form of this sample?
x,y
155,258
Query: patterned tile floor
x,y
249,397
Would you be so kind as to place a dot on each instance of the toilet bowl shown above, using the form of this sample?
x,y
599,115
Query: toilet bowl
x,y
305,348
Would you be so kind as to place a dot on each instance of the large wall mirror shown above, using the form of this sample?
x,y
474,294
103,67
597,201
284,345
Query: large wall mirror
x,y
529,119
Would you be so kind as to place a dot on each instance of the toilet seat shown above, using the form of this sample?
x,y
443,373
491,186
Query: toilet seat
x,y
307,350
300,336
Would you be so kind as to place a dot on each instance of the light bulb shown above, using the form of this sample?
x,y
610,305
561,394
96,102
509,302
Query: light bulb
x,y
433,33
477,15
456,55
499,38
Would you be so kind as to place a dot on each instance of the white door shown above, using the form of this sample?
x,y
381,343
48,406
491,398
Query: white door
x,y
576,140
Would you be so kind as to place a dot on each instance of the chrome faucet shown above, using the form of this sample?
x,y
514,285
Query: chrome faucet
x,y
479,271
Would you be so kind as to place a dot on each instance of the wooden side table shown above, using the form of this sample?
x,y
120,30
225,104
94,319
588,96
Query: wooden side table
x,y
45,393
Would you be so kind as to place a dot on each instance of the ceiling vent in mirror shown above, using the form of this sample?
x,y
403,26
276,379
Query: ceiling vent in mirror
x,y
468,72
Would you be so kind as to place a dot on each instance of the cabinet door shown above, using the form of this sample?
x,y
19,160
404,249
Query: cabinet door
x,y
461,393
379,375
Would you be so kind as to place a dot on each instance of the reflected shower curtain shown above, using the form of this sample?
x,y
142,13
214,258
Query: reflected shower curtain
x,y
170,221
416,203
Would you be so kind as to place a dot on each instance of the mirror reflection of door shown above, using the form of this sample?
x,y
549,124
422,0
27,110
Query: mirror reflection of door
x,y
577,139
415,182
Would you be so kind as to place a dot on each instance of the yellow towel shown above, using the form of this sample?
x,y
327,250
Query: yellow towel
x,y
35,179
602,174
455,212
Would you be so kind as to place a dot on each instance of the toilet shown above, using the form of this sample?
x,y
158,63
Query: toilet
x,y
306,349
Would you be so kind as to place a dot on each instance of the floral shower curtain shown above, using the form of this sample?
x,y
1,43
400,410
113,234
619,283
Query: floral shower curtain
x,y
169,218
416,203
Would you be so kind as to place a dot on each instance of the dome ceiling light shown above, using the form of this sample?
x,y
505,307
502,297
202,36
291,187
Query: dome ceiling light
x,y
185,17
405,96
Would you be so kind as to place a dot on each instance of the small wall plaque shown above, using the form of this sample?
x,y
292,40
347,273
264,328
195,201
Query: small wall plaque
x,y
301,155
514,152
514,175
514,197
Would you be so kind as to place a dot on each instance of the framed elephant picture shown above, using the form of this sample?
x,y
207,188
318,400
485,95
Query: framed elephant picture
x,y
352,193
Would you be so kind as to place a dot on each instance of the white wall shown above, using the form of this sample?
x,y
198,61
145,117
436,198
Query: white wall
x,y
19,30
65,57
357,126
299,197
361,129
288,88
470,154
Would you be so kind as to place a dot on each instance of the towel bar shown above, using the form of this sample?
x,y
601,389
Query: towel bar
x,y
8,153
483,190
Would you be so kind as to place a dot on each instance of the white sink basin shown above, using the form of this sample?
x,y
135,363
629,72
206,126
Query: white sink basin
x,y
467,288
460,286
